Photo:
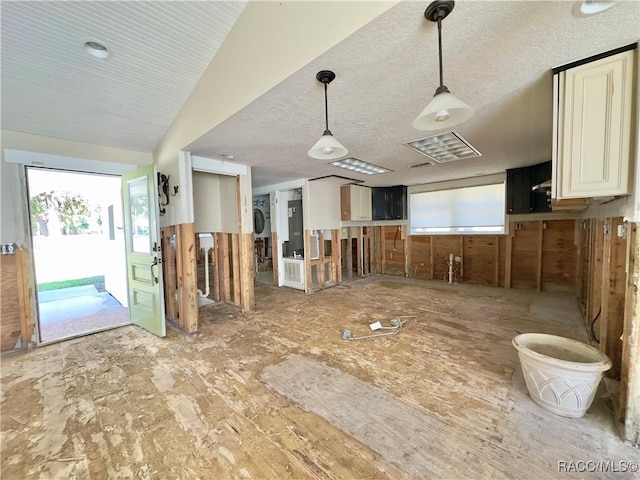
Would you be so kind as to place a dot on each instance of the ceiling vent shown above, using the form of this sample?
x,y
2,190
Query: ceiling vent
x,y
423,164
444,147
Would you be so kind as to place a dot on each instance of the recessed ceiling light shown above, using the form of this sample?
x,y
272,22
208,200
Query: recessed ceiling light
x,y
360,166
97,49
585,8
444,147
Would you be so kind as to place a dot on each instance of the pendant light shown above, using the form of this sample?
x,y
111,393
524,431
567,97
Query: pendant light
x,y
444,110
327,148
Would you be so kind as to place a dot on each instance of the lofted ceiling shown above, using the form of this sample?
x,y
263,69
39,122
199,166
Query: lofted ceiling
x,y
497,58
52,87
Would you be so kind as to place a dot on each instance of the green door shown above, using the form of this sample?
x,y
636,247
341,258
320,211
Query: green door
x,y
142,233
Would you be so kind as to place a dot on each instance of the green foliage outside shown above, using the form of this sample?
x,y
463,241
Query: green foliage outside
x,y
71,213
97,281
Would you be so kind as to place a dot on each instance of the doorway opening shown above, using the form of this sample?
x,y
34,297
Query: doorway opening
x,y
78,251
262,239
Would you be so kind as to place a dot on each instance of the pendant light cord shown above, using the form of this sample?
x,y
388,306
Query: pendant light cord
x,y
440,50
326,111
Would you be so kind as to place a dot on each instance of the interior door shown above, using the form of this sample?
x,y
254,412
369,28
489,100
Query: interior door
x,y
142,233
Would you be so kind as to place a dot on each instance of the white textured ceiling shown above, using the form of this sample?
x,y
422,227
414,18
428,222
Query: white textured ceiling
x,y
497,58
52,87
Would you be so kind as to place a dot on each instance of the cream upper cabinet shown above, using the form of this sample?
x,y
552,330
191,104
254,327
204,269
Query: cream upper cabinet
x,y
355,201
592,128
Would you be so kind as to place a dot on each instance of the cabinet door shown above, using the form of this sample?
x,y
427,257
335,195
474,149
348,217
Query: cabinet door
x,y
354,194
518,190
345,203
596,128
379,203
398,202
355,203
365,203
360,203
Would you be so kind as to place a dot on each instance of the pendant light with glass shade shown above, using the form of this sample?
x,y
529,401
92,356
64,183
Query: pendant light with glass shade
x,y
444,110
327,148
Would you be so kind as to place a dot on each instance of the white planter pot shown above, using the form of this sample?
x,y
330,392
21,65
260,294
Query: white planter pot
x,y
562,375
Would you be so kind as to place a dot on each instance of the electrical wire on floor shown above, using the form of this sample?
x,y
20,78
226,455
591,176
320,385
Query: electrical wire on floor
x,y
396,325
593,322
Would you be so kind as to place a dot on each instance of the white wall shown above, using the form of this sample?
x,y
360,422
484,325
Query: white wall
x,y
459,183
13,212
206,202
620,207
269,42
322,205
229,204
215,202
245,197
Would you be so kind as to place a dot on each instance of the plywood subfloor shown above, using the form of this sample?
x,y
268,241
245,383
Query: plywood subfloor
x,y
123,403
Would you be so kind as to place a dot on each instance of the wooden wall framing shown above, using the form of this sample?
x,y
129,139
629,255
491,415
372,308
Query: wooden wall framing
x,y
602,285
536,255
629,402
179,275
16,296
232,272
325,271
358,257
608,295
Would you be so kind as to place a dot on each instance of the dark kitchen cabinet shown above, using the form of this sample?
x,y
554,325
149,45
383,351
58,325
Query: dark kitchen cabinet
x,y
389,203
518,188
521,198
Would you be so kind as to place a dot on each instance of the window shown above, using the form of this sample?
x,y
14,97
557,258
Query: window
x,y
476,210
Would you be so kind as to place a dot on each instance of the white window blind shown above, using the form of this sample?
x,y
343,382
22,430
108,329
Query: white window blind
x,y
477,210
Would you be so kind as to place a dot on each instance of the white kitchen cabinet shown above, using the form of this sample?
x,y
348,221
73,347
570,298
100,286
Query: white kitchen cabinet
x,y
355,203
592,114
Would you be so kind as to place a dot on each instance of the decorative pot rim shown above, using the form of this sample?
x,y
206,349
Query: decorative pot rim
x,y
602,364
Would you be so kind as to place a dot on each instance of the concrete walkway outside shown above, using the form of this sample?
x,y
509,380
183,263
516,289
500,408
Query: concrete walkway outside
x,y
74,302
69,312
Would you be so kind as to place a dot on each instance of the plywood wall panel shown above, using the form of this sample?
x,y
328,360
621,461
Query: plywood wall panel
x,y
479,257
187,276
420,254
559,256
612,318
524,261
443,246
169,272
582,276
540,258
393,251
595,273
629,407
502,260
10,315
